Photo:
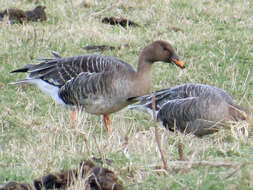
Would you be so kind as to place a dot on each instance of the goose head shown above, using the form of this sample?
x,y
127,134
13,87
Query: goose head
x,y
161,51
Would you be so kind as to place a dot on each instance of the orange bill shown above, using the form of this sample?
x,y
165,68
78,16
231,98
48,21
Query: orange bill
x,y
178,63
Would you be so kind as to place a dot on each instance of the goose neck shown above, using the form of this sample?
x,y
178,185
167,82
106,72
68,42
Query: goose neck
x,y
144,65
143,77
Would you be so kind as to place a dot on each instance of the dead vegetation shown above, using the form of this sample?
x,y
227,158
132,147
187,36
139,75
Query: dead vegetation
x,y
93,177
20,16
119,21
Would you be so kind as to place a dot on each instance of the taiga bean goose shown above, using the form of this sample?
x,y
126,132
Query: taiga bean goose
x,y
192,108
100,84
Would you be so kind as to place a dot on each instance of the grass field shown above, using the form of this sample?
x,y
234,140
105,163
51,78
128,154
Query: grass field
x,y
214,42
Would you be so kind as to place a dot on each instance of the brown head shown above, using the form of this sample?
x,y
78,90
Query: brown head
x,y
161,51
156,51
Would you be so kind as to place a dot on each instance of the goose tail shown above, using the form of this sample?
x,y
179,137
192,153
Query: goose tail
x,y
135,106
147,108
20,81
23,69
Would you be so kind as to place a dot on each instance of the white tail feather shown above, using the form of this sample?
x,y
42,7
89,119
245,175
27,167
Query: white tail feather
x,y
142,108
47,88
20,81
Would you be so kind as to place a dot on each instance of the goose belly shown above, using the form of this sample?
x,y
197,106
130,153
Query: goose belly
x,y
104,106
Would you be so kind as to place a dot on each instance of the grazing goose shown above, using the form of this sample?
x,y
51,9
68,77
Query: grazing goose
x,y
192,108
99,84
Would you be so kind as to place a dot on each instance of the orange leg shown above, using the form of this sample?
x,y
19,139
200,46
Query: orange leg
x,y
107,123
73,115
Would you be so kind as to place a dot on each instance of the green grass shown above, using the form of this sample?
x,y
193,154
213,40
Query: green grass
x,y
215,43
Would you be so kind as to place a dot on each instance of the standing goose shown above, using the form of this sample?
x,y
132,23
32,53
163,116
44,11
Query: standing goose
x,y
100,84
192,108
